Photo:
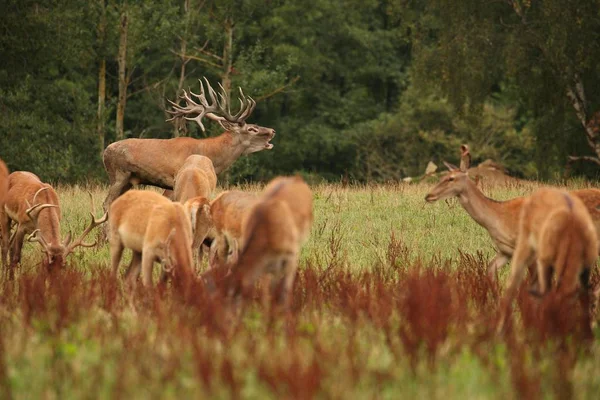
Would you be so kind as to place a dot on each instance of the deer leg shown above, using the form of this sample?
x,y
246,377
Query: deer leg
x,y
521,259
497,262
148,257
5,236
116,252
133,271
544,277
15,255
120,185
289,266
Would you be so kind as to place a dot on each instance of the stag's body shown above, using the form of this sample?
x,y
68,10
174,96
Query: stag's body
x,y
22,188
152,227
278,225
229,211
499,218
557,233
34,207
156,161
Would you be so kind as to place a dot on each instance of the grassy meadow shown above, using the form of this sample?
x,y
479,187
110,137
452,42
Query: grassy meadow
x,y
391,301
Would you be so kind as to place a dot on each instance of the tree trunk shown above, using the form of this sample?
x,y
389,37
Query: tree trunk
x,y
227,56
122,60
100,128
179,124
576,95
100,122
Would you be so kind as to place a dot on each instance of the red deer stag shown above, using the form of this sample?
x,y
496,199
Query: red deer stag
x,y
156,161
278,225
34,207
155,229
556,232
499,218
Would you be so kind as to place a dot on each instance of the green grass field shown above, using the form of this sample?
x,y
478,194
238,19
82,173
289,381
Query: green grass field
x,y
392,301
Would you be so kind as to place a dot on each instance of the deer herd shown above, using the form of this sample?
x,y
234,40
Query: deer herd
x,y
554,234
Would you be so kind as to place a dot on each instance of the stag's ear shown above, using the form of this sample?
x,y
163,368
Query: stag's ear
x,y
228,126
450,167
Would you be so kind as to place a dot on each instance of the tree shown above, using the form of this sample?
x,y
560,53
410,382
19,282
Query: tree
x,y
545,52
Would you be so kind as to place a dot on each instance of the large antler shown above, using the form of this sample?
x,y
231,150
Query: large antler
x,y
70,246
217,109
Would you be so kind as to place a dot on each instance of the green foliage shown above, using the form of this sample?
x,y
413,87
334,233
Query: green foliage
x,y
365,89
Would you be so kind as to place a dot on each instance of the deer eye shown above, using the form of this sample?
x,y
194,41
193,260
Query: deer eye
x,y
451,179
252,129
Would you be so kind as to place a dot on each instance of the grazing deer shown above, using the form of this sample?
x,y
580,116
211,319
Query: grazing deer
x,y
229,210
557,233
499,218
155,229
34,207
197,178
278,225
156,161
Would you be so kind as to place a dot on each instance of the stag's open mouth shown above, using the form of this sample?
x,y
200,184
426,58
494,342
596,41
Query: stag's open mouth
x,y
268,146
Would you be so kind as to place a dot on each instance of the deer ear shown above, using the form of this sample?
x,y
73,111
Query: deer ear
x,y
451,167
228,126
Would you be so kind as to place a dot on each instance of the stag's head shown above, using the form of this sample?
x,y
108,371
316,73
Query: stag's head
x,y
452,184
47,234
218,108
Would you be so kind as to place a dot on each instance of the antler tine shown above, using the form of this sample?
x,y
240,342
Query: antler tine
x,y
247,105
39,206
36,236
94,223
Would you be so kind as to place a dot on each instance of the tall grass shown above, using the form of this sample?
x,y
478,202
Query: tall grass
x,y
392,301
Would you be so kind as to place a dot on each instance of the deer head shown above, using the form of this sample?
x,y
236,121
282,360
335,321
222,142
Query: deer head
x,y
452,184
218,108
56,253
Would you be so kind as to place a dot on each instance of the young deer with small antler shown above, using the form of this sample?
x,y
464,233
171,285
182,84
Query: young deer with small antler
x,y
34,207
557,233
277,227
156,161
155,229
499,218
229,211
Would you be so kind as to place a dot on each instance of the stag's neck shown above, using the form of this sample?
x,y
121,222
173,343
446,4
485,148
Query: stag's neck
x,y
49,225
223,150
485,211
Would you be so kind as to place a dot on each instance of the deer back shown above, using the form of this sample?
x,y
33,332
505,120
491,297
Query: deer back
x,y
195,178
23,186
130,213
230,209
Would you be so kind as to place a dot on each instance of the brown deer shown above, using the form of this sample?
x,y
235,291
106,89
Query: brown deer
x,y
557,233
197,178
499,218
229,210
155,229
277,227
156,161
34,207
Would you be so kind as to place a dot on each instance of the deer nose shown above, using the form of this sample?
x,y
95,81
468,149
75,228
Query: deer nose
x,y
273,132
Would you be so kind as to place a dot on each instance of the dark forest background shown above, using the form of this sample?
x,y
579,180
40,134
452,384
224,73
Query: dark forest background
x,y
367,89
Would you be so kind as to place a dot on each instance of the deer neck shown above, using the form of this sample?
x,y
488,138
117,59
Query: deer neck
x,y
49,226
485,211
223,150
